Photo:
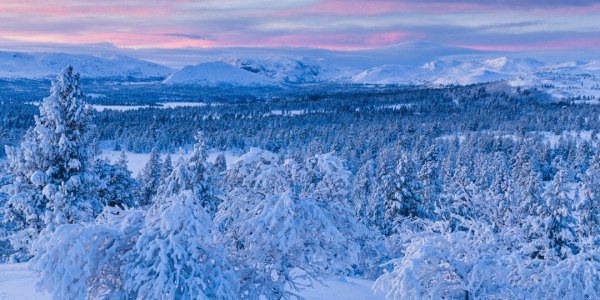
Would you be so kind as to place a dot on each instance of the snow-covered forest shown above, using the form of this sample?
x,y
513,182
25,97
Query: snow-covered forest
x,y
483,191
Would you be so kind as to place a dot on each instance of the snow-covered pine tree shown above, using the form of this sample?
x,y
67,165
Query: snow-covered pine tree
x,y
217,172
220,164
402,199
150,177
364,186
501,194
83,261
529,182
459,193
167,168
192,174
5,227
118,188
53,184
281,239
588,208
177,255
442,264
430,178
384,173
558,215
583,154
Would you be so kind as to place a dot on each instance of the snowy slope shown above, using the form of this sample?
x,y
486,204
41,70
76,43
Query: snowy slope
x,y
38,65
216,73
293,70
455,71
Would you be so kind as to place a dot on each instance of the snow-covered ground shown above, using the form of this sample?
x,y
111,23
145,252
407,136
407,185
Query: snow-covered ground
x,y
18,283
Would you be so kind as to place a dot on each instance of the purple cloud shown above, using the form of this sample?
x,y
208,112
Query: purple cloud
x,y
332,24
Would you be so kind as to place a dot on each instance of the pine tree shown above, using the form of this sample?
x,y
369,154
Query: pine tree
x,y
176,255
429,176
582,158
559,220
364,187
150,177
460,192
53,184
529,181
83,261
167,168
192,174
589,205
279,238
501,193
118,188
402,199
220,164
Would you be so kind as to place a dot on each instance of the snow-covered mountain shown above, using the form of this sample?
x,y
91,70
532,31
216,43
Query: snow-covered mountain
x,y
293,70
217,73
562,79
40,65
565,80
450,71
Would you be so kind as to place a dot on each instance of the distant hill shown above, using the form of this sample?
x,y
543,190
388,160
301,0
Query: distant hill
x,y
41,65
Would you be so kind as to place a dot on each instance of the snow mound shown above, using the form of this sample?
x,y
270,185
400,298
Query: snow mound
x,y
41,65
217,73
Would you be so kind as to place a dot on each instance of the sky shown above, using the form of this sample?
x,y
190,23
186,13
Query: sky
x,y
510,25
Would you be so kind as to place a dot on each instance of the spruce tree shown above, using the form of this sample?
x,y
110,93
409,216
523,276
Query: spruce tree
x,y
192,174
429,176
53,184
589,205
177,255
558,215
150,177
402,199
364,187
220,164
167,168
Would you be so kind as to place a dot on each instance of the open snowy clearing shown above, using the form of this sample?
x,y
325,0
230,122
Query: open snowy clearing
x,y
137,161
18,283
161,105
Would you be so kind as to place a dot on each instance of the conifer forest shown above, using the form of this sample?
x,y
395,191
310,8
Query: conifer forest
x,y
482,191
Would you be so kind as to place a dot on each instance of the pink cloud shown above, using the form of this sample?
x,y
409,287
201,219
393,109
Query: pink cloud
x,y
337,41
75,10
575,10
550,45
369,8
120,39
